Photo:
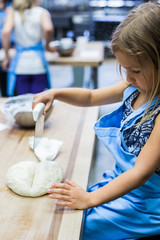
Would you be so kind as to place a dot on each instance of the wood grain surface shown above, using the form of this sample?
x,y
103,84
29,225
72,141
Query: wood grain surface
x,y
26,218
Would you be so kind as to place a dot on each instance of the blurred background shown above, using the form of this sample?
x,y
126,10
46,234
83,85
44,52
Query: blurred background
x,y
95,19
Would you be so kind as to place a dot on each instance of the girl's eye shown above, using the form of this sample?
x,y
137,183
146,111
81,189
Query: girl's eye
x,y
136,72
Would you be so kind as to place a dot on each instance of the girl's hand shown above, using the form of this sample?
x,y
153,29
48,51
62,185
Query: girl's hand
x,y
70,195
46,97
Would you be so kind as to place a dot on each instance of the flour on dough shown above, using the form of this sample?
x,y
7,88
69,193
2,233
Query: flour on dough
x,y
47,149
33,179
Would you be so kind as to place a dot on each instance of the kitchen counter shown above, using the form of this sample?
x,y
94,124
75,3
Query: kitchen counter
x,y
26,218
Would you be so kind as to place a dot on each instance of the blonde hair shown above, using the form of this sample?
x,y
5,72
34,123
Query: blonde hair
x,y
21,5
139,35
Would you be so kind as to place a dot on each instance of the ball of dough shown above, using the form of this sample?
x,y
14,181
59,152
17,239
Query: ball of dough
x,y
33,179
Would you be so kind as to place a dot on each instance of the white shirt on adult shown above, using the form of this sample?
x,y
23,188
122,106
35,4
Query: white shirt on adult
x,y
28,33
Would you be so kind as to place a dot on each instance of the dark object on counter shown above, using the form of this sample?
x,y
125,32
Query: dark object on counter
x,y
66,52
64,46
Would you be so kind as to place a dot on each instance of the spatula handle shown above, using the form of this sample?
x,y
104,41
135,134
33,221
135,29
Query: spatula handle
x,y
38,111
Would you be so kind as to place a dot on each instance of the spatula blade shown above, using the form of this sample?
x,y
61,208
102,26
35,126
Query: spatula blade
x,y
39,127
39,123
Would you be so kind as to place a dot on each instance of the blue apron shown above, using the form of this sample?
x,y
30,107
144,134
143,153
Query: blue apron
x,y
11,77
136,214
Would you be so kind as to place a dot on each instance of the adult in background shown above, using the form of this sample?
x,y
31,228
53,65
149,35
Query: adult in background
x,y
33,29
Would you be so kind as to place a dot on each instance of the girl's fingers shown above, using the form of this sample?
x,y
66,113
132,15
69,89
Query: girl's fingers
x,y
71,183
59,190
59,197
62,188
47,106
61,185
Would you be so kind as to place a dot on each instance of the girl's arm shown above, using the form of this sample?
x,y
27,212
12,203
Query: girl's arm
x,y
147,162
82,97
47,28
6,31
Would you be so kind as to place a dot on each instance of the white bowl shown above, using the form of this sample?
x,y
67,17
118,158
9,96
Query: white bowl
x,y
25,119
66,52
66,43
19,109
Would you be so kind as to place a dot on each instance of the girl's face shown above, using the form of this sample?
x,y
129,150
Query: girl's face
x,y
133,71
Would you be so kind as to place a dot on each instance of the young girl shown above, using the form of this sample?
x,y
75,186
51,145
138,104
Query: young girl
x,y
126,204
28,71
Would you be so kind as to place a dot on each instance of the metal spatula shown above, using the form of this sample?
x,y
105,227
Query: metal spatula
x,y
39,125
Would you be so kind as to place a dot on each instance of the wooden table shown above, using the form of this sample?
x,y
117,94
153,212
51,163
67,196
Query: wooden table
x,y
26,218
92,56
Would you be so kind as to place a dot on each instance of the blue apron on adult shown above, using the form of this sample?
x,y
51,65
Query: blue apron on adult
x,y
11,77
136,214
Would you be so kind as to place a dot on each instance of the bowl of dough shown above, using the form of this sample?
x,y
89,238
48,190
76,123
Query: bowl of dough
x,y
66,52
18,109
66,47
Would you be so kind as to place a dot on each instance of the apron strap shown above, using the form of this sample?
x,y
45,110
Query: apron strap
x,y
11,76
128,91
132,118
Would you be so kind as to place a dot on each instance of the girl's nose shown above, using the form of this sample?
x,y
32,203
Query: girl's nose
x,y
129,78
